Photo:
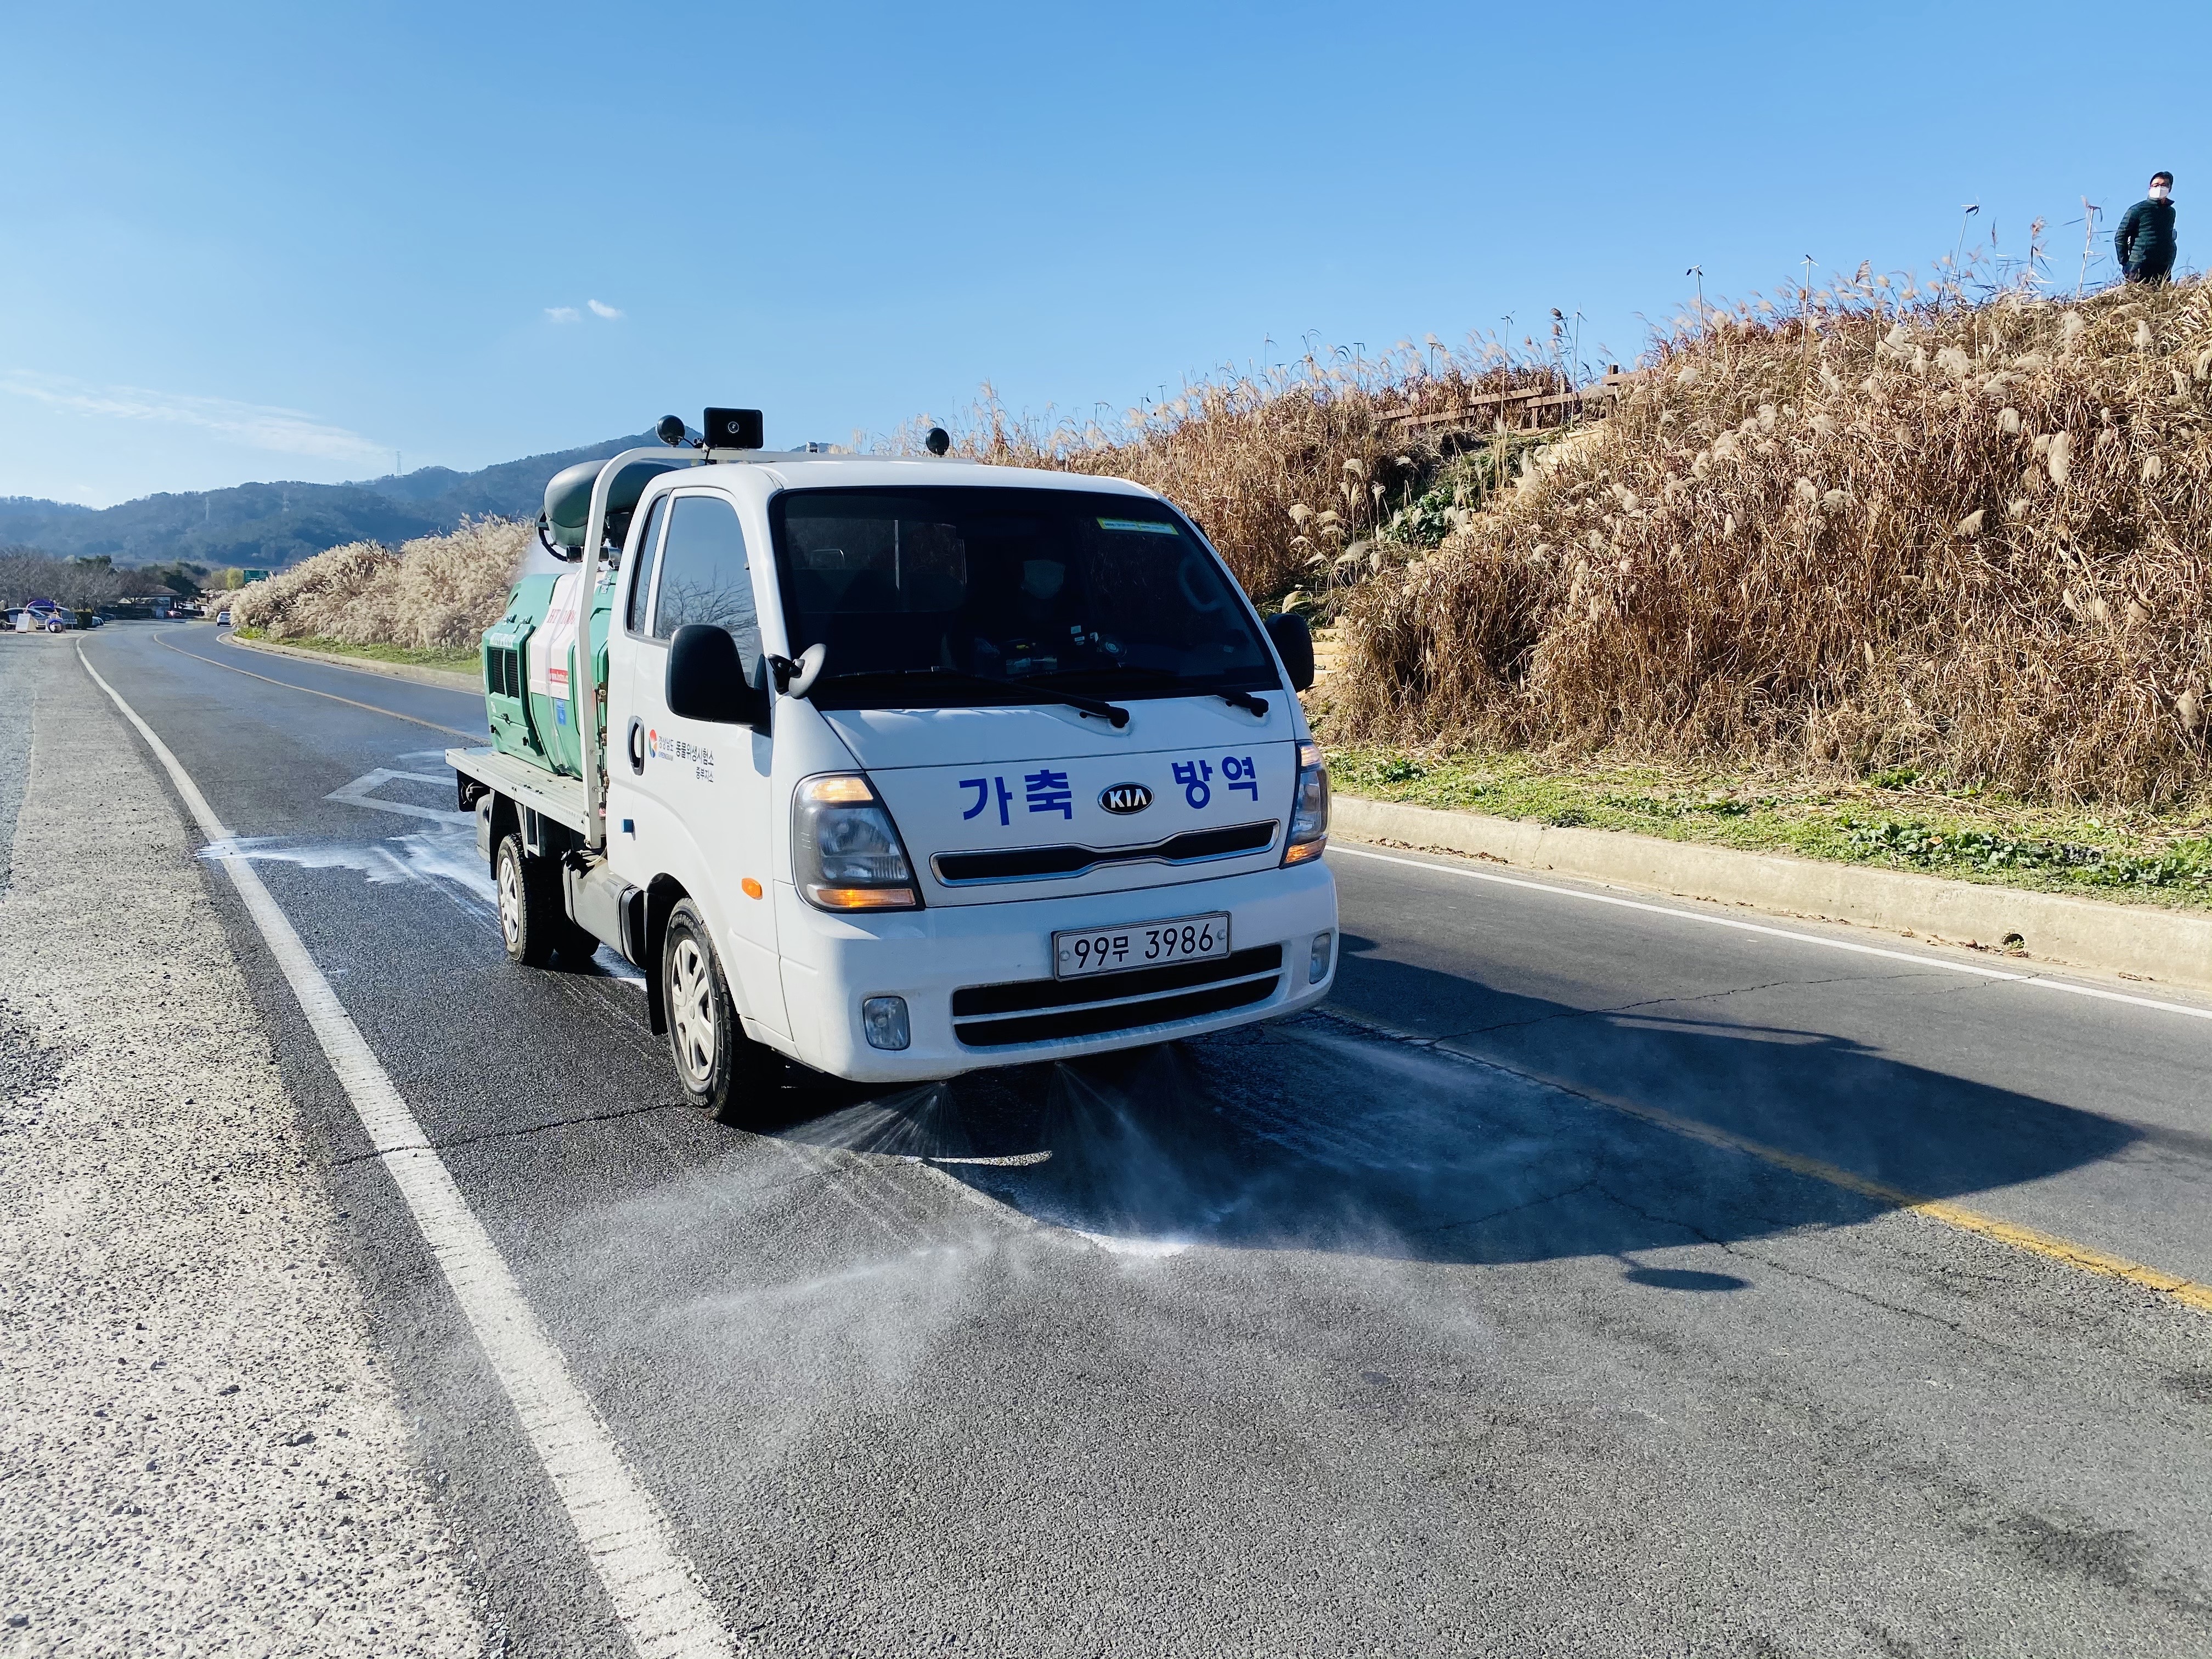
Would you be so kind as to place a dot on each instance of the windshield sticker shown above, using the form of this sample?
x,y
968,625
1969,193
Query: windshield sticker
x,y
1140,526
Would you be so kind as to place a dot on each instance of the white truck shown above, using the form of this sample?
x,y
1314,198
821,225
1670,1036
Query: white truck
x,y
917,765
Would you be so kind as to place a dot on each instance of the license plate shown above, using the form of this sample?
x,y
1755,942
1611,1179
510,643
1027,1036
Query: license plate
x,y
1140,944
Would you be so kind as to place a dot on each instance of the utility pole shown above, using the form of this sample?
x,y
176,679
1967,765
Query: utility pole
x,y
1805,323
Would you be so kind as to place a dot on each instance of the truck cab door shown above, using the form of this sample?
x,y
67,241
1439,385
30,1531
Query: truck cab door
x,y
704,799
630,625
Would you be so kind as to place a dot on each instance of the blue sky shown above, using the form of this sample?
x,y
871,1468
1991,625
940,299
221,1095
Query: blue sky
x,y
284,241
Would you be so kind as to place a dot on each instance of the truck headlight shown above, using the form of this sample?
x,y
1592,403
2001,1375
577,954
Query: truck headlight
x,y
846,854
1309,808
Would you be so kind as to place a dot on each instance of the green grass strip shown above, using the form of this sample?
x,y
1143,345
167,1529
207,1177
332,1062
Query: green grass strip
x,y
1893,820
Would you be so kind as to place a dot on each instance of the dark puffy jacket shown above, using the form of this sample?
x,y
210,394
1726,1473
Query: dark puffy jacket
x,y
2144,240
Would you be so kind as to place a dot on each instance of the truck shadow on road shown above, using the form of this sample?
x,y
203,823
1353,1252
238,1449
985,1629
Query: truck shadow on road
x,y
1319,1134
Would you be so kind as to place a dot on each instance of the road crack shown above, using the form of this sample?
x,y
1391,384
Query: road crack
x,y
1509,1209
1662,1002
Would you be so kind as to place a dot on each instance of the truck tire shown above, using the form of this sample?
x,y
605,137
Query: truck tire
x,y
721,1070
532,923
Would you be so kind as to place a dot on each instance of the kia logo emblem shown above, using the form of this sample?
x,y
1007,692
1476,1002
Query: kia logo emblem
x,y
1125,797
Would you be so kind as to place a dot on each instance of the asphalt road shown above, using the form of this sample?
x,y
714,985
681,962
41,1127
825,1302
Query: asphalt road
x,y
1485,1338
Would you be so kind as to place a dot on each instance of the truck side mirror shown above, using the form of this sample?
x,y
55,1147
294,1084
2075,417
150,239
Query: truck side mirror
x,y
1293,642
707,679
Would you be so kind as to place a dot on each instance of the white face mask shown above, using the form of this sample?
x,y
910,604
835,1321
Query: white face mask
x,y
2158,193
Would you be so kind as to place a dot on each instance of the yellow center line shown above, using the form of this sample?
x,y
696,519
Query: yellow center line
x,y
233,668
2188,1291
2036,1243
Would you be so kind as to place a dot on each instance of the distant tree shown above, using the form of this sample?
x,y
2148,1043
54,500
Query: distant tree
x,y
26,573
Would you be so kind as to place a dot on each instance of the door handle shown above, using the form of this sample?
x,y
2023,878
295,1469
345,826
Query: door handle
x,y
637,745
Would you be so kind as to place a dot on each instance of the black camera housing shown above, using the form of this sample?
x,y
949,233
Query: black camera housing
x,y
733,429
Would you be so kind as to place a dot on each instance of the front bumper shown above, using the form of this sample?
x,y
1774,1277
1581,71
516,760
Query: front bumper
x,y
831,963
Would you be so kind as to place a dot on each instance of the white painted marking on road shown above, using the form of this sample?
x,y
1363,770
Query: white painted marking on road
x,y
1973,969
654,1589
358,793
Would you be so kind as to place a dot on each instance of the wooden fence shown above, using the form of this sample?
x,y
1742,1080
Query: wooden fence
x,y
1515,411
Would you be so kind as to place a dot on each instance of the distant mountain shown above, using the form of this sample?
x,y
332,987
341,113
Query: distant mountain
x,y
265,526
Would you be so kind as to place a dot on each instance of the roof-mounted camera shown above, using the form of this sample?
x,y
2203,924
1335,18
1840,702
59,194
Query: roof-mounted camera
x,y
735,429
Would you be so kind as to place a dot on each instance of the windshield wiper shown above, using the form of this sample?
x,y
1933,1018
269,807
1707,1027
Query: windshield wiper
x,y
1243,700
1028,690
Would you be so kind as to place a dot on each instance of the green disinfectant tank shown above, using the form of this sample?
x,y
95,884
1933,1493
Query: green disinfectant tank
x,y
530,652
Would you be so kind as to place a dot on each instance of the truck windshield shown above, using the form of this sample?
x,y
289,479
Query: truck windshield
x,y
952,596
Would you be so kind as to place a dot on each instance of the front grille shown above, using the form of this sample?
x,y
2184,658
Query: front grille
x,y
1043,1010
1045,863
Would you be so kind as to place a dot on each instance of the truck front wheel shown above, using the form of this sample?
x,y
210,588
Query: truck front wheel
x,y
720,1066
531,923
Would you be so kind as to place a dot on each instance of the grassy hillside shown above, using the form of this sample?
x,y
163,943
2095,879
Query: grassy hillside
x,y
1968,540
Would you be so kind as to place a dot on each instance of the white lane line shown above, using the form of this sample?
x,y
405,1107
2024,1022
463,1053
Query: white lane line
x,y
1973,969
654,1589
358,793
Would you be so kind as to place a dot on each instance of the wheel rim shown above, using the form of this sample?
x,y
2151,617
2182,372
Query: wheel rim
x,y
691,1013
510,902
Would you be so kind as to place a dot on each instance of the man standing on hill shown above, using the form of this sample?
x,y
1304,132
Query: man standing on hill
x,y
2144,240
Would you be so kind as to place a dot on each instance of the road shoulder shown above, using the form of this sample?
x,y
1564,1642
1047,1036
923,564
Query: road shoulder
x,y
205,1450
2133,941
445,679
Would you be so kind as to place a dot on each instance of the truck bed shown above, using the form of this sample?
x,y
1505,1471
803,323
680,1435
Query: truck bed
x,y
558,797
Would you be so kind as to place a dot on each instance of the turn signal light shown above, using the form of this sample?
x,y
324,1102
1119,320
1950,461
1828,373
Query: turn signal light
x,y
862,898
1309,830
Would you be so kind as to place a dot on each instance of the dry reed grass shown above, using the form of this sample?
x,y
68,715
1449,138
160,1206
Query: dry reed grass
x,y
438,593
1969,539
1292,473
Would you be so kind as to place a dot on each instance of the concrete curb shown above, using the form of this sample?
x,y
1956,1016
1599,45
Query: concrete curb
x,y
445,678
2134,940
